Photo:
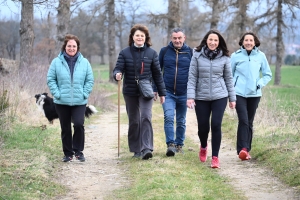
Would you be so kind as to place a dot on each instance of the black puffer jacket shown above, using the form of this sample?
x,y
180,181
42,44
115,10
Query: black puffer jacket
x,y
146,57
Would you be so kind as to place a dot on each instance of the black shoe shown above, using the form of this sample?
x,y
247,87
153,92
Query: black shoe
x,y
179,149
67,158
171,150
146,154
137,155
79,156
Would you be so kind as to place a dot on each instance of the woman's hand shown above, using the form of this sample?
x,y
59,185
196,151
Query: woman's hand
x,y
118,76
162,99
155,96
232,105
190,103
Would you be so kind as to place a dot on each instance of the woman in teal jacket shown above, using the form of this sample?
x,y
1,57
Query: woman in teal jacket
x,y
70,80
251,72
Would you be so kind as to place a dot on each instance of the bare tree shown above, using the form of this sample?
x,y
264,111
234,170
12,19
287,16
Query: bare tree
x,y
275,17
63,22
279,43
120,19
26,34
215,17
111,37
291,5
174,17
239,23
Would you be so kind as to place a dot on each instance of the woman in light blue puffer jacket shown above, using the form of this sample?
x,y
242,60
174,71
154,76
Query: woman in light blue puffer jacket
x,y
210,87
70,80
251,72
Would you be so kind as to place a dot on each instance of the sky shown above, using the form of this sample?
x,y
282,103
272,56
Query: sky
x,y
10,9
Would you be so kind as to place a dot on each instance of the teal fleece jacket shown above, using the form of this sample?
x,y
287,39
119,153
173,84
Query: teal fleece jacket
x,y
67,90
250,72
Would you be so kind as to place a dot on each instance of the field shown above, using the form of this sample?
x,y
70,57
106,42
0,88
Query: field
x,y
28,167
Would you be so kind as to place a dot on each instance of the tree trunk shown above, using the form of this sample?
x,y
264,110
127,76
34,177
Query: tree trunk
x,y
279,44
111,38
242,23
174,18
26,34
102,62
215,16
63,22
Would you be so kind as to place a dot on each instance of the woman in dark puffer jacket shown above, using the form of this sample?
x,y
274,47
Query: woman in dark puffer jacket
x,y
139,110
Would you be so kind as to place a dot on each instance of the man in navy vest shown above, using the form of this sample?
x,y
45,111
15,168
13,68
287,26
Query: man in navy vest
x,y
174,61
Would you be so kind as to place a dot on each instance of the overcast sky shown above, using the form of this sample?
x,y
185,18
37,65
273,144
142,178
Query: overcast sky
x,y
10,9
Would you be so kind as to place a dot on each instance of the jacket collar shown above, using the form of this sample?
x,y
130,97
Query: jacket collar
x,y
253,52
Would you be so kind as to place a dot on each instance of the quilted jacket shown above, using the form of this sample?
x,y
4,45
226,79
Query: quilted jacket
x,y
67,90
210,79
147,66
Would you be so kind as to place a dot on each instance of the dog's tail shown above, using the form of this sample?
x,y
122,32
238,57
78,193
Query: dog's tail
x,y
90,110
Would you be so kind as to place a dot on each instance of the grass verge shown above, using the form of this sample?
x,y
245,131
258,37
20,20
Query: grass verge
x,y
28,163
179,177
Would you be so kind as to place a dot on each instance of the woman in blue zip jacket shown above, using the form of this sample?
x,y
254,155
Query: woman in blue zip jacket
x,y
251,72
70,80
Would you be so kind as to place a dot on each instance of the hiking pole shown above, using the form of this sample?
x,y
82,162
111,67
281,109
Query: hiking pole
x,y
119,85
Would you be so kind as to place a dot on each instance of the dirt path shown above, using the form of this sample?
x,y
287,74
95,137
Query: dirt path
x,y
255,182
100,174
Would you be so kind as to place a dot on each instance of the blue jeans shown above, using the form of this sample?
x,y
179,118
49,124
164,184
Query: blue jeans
x,y
175,105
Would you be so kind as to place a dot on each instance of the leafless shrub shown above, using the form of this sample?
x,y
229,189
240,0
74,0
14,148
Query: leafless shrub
x,y
21,88
271,119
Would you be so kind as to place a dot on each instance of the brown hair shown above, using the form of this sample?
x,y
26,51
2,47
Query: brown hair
x,y
142,28
66,40
222,43
256,40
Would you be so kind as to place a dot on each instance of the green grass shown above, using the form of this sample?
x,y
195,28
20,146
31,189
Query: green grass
x,y
276,141
179,177
28,163
287,93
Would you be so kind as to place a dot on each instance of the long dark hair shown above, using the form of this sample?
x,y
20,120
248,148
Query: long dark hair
x,y
222,43
142,28
66,40
256,40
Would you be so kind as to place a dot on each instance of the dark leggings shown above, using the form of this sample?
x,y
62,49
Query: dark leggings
x,y
203,111
68,114
245,109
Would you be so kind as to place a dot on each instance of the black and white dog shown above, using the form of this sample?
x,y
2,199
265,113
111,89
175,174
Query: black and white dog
x,y
45,104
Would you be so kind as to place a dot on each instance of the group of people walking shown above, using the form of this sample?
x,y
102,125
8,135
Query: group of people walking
x,y
205,79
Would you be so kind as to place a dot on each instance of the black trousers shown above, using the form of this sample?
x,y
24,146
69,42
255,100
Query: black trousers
x,y
203,111
71,143
140,131
246,109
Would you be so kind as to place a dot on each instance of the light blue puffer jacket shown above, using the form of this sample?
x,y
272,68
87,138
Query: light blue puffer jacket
x,y
250,71
66,91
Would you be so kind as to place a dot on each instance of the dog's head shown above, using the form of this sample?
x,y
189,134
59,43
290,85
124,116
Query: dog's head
x,y
40,98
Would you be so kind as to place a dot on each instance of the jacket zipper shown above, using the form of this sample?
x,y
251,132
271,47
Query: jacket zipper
x,y
176,70
210,78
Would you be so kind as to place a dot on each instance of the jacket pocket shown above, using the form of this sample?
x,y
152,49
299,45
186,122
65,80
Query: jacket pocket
x,y
236,80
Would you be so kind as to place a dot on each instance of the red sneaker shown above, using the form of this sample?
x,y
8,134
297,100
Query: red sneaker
x,y
215,163
203,154
249,157
244,155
